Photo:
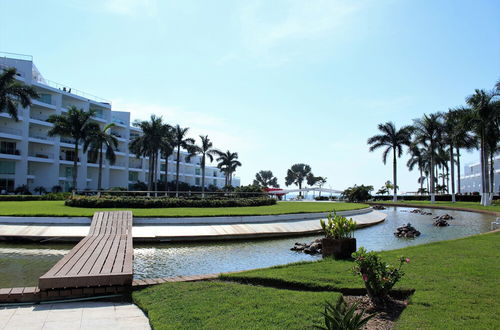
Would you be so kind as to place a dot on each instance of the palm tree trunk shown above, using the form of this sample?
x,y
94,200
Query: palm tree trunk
x,y
485,200
99,175
421,181
177,172
155,173
394,175
433,195
75,165
492,176
458,172
203,176
149,172
166,175
300,188
452,165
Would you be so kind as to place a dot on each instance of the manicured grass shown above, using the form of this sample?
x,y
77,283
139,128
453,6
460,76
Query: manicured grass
x,y
217,305
456,282
469,205
58,209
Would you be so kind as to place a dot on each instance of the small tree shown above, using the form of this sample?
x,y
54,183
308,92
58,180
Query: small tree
x,y
266,179
297,174
40,190
357,193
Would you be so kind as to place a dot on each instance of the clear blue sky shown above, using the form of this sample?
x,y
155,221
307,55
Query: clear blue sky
x,y
280,82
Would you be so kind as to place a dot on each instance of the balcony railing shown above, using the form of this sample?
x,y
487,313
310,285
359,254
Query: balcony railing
x,y
70,90
8,130
39,116
119,164
41,154
10,152
67,140
119,121
41,137
135,165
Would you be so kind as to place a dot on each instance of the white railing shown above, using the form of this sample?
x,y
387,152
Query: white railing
x,y
39,116
69,91
41,137
40,154
8,130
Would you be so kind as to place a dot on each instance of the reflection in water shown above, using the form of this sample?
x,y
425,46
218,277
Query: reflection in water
x,y
21,265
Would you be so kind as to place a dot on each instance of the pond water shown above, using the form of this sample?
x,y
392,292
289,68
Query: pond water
x,y
22,264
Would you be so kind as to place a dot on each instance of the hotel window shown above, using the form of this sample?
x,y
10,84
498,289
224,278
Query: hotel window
x,y
133,176
197,171
6,185
197,180
215,182
45,98
7,167
8,147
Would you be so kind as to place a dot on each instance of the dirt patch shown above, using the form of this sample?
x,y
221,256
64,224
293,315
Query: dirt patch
x,y
386,316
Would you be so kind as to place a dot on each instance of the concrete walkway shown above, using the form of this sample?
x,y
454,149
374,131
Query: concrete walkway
x,y
190,231
74,315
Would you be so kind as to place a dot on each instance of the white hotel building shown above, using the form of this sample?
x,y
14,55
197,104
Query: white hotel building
x,y
28,156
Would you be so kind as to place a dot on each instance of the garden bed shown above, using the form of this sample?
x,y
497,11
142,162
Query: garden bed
x,y
163,202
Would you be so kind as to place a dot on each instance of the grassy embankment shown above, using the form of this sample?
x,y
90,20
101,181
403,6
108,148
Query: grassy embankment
x,y
455,282
58,209
466,205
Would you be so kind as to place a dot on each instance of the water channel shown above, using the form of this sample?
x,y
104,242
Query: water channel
x,y
21,264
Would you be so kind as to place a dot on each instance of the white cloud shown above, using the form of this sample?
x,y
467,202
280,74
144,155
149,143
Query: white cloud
x,y
262,36
224,134
130,7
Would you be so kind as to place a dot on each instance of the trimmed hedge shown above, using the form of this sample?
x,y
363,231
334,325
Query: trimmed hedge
x,y
163,202
439,198
46,197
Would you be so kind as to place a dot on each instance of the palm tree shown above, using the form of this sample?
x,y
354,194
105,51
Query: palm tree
x,y
266,179
76,124
228,162
13,92
417,159
391,139
428,131
167,149
148,144
297,174
484,120
206,150
98,140
180,141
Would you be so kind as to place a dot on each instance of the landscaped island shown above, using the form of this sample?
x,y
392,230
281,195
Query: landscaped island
x,y
455,285
457,205
58,209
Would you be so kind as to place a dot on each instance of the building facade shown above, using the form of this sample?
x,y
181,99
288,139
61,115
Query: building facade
x,y
471,177
28,156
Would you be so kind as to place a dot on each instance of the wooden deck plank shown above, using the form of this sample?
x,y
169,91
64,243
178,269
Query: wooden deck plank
x,y
104,257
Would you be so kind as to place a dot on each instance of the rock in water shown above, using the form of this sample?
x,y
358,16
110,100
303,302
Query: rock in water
x,y
311,248
406,231
441,223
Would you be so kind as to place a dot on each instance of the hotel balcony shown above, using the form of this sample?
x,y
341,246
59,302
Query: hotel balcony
x,y
11,133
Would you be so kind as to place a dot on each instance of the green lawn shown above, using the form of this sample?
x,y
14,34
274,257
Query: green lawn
x,y
469,205
456,287
216,305
58,209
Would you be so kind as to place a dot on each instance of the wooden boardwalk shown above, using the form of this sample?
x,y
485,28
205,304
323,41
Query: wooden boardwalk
x,y
102,258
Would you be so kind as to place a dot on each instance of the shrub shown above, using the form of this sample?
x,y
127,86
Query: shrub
x,y
46,197
321,198
343,316
338,227
40,190
249,191
358,193
378,276
22,190
56,189
162,202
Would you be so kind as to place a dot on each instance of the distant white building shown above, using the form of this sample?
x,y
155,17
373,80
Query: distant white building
x,y
470,179
28,156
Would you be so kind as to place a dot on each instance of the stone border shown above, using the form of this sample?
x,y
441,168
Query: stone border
x,y
465,209
183,220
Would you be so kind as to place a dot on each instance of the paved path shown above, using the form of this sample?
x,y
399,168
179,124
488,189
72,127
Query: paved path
x,y
74,315
188,232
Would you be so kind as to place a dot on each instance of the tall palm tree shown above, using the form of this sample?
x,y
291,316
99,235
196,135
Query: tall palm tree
x,y
76,124
391,139
266,179
417,159
228,162
484,120
148,144
180,141
97,141
167,149
13,92
428,132
297,174
463,137
206,150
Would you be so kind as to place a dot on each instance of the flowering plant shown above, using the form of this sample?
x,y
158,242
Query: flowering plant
x,y
338,227
378,276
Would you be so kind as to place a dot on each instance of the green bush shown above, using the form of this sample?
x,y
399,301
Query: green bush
x,y
338,227
343,316
358,193
163,202
378,276
47,197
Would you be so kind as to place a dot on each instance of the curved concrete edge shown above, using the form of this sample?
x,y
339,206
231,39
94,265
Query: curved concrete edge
x,y
182,220
187,232
439,207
